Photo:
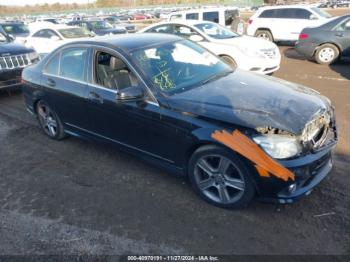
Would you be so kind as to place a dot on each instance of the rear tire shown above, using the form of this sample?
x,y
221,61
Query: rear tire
x,y
49,121
220,177
264,34
326,54
229,60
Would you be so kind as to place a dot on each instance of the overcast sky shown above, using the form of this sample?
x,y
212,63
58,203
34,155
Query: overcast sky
x,y
34,2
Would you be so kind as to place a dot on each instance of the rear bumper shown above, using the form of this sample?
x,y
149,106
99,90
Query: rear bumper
x,y
307,49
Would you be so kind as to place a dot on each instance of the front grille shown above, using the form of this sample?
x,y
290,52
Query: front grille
x,y
16,61
270,53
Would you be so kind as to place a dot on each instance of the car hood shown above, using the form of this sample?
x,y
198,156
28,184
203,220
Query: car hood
x,y
248,42
12,48
250,100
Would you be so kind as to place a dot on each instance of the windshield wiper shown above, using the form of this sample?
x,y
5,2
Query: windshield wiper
x,y
217,76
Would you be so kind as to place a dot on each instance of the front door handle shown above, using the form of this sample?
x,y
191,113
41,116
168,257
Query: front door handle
x,y
94,97
51,82
339,34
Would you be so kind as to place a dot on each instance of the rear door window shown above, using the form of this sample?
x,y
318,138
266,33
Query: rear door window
x,y
183,31
211,16
73,63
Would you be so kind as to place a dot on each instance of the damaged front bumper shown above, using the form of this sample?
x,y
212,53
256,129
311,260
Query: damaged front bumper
x,y
309,171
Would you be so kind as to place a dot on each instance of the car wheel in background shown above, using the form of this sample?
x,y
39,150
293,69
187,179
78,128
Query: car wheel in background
x,y
265,34
326,54
49,121
229,60
220,177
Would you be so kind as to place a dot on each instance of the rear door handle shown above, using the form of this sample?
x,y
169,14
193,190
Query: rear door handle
x,y
94,97
51,82
339,34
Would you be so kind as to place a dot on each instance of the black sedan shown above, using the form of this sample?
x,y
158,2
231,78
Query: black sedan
x,y
233,133
326,43
99,27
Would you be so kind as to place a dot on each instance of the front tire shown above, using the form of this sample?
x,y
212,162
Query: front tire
x,y
220,177
326,54
49,121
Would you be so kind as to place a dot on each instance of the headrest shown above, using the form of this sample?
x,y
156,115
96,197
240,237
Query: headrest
x,y
116,64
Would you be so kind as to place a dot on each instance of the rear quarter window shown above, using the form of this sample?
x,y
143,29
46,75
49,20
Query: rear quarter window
x,y
302,14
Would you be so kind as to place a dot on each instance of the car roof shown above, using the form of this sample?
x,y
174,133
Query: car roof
x,y
209,9
285,6
130,42
187,22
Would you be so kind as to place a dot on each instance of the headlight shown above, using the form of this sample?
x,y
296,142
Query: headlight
x,y
33,56
251,52
279,147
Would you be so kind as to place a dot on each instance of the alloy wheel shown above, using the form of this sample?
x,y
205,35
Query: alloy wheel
x,y
47,119
219,179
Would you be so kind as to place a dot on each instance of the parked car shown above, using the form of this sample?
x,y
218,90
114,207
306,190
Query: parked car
x,y
340,3
16,29
139,17
222,15
13,58
116,22
326,43
284,23
249,53
99,27
47,39
235,134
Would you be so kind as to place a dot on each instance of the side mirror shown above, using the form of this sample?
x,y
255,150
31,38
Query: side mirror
x,y
313,17
196,38
11,37
55,38
130,93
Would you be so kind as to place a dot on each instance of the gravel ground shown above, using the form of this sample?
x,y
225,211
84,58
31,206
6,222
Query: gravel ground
x,y
79,197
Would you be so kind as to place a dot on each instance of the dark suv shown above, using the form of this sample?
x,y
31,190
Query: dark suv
x,y
13,58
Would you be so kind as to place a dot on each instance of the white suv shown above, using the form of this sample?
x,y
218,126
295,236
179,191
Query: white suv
x,y
284,23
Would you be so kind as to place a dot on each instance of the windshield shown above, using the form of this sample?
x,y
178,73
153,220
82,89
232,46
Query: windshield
x,y
74,32
176,67
321,12
101,25
216,31
15,29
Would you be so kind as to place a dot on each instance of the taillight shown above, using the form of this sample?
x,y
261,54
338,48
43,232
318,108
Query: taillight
x,y
303,36
250,21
